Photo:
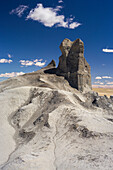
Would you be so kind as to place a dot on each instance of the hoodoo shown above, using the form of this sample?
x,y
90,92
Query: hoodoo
x,y
73,66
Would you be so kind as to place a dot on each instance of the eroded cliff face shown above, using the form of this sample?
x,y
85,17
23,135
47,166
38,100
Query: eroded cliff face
x,y
45,124
73,66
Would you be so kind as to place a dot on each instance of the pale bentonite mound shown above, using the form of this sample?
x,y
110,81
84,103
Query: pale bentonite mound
x,y
45,124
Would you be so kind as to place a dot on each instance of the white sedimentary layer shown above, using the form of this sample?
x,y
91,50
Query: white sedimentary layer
x,y
72,137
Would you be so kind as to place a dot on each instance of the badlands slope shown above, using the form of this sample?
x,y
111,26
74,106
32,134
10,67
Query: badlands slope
x,y
47,125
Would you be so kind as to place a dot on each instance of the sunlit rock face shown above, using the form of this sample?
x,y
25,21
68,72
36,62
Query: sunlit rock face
x,y
73,66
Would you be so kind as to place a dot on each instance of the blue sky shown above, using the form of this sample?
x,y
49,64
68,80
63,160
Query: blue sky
x,y
32,30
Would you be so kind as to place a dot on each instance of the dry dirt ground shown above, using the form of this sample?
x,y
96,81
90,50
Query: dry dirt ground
x,y
104,91
47,125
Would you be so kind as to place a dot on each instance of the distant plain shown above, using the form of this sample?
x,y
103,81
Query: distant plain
x,y
104,91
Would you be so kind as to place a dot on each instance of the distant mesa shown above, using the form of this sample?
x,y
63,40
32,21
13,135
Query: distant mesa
x,y
73,66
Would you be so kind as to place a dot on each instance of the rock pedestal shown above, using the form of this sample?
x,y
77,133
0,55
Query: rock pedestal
x,y
73,66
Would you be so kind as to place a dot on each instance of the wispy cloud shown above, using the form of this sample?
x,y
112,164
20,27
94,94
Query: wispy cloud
x,y
13,74
107,50
106,77
49,17
110,83
3,60
35,62
60,1
98,82
19,10
102,86
9,55
74,25
103,64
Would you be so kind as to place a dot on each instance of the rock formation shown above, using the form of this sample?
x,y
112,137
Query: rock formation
x,y
73,66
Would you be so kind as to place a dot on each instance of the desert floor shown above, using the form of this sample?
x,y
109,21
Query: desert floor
x,y
104,91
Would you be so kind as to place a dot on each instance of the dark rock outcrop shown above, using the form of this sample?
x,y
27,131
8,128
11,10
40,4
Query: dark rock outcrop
x,y
73,66
93,99
51,68
104,102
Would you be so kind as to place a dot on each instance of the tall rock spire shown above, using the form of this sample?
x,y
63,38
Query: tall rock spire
x,y
73,66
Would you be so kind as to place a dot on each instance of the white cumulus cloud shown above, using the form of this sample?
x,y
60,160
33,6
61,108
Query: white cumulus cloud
x,y
103,77
19,10
39,64
35,62
98,78
26,62
3,60
107,50
101,83
49,17
13,74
